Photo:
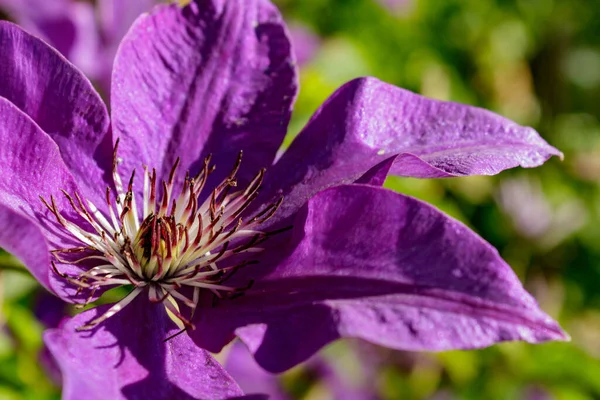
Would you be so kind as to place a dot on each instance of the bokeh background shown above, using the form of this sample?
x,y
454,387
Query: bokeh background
x,y
534,61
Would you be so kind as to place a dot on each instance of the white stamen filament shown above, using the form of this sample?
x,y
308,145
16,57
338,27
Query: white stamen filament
x,y
176,243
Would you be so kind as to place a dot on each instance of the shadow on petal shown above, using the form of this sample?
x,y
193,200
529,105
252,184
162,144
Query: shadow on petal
x,y
126,357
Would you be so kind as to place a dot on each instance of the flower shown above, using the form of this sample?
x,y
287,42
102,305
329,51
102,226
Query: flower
x,y
88,36
321,252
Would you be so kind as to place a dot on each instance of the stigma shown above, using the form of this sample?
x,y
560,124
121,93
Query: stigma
x,y
172,247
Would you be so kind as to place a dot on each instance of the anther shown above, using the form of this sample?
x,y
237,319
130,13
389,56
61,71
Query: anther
x,y
178,244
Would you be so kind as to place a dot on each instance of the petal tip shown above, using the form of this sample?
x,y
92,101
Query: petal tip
x,y
560,335
550,330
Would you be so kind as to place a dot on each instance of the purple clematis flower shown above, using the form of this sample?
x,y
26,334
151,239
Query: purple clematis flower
x,y
68,25
321,251
88,36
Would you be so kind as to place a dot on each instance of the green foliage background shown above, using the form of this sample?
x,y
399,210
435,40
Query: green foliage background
x,y
535,61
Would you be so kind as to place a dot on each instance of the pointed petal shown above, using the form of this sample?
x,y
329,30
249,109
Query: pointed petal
x,y
215,77
126,357
374,264
368,121
60,99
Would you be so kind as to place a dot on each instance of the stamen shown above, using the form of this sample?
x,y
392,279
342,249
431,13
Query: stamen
x,y
177,244
113,310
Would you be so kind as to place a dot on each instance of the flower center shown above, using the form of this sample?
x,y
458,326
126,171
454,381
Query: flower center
x,y
177,247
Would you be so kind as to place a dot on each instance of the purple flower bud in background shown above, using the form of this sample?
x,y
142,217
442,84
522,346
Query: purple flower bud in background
x,y
305,43
85,34
397,7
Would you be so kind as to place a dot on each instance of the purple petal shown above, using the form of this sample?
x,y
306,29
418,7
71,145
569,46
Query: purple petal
x,y
35,8
367,121
85,44
253,379
41,83
50,367
23,238
374,264
376,176
31,166
250,376
58,29
127,358
214,77
30,162
116,17
69,26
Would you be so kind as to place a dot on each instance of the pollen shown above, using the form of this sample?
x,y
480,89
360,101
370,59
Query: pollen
x,y
171,250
